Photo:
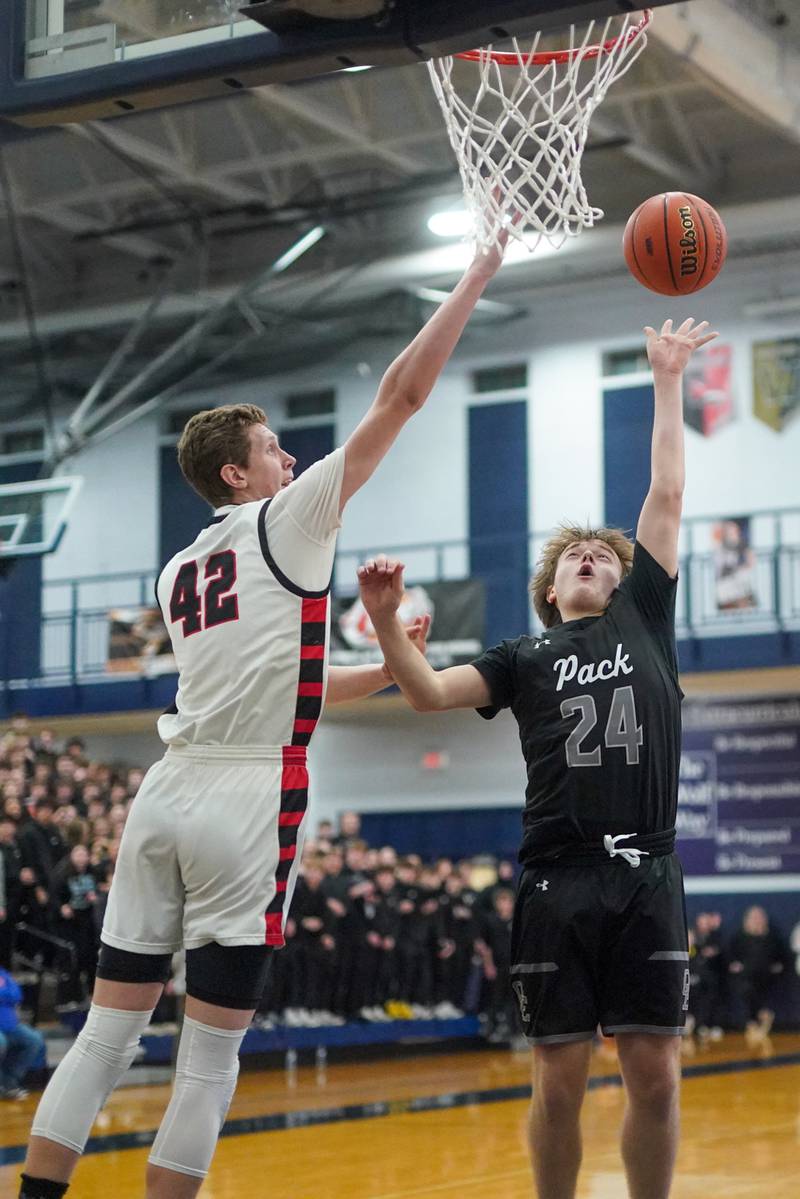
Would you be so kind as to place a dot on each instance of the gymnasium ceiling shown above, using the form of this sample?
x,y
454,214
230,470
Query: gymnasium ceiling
x,y
194,201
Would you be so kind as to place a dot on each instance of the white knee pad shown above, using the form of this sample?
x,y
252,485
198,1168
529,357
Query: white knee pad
x,y
205,1079
103,1051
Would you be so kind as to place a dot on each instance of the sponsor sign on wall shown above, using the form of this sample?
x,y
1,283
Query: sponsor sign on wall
x,y
739,796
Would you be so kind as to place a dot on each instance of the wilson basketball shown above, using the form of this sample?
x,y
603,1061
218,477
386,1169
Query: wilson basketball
x,y
675,243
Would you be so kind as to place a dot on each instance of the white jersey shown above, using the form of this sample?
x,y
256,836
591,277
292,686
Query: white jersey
x,y
247,607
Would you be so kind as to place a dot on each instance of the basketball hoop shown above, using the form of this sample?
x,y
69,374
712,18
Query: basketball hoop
x,y
520,141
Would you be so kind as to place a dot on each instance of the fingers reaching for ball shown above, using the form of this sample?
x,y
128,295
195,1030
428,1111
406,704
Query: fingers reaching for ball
x,y
669,351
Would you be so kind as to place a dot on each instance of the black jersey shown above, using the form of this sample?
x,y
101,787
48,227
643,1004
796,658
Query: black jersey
x,y
597,701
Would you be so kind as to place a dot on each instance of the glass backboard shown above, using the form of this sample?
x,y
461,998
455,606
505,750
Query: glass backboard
x,y
34,515
76,60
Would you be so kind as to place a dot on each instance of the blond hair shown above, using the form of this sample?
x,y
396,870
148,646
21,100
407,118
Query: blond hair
x,y
212,439
565,536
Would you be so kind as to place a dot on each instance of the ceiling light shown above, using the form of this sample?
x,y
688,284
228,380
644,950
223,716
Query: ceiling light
x,y
454,222
298,249
434,296
457,223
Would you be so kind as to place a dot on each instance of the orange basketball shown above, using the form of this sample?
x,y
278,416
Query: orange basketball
x,y
675,243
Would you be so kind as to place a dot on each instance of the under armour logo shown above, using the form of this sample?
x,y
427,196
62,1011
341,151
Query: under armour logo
x,y
545,641
543,885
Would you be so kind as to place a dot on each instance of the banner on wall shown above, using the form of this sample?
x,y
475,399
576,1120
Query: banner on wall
x,y
734,565
138,642
708,390
457,609
739,791
776,381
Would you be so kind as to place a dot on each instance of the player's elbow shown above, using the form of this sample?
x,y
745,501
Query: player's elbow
x,y
402,393
405,401
425,701
668,493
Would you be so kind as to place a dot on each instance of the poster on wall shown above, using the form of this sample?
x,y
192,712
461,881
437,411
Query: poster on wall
x,y
734,565
138,642
776,381
739,790
458,621
708,390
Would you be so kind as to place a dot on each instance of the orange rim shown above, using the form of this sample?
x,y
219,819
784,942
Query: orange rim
x,y
559,56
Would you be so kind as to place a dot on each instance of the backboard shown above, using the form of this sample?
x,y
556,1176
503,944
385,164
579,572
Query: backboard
x,y
33,515
76,60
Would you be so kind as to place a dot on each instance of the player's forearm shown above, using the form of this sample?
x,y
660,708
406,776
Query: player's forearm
x,y
410,670
668,474
414,373
346,683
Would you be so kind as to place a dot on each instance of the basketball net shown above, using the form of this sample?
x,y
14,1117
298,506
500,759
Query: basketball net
x,y
520,141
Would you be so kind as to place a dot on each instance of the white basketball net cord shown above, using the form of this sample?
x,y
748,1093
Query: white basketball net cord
x,y
520,142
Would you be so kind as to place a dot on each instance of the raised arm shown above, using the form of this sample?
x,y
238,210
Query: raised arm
x,y
426,689
348,683
660,518
410,379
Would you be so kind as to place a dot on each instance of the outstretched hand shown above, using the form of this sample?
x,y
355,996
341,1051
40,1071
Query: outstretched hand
x,y
380,583
489,259
670,352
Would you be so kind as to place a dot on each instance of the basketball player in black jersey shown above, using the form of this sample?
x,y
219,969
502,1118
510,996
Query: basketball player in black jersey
x,y
599,933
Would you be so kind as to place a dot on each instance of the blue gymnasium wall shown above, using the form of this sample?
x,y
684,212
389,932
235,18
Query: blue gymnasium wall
x,y
182,512
627,431
457,834
498,512
20,600
308,444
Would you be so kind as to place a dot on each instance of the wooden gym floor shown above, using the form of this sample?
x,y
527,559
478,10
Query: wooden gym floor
x,y
449,1126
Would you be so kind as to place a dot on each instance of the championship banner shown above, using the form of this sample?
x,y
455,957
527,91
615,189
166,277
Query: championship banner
x,y
708,391
739,790
776,381
457,629
138,642
734,565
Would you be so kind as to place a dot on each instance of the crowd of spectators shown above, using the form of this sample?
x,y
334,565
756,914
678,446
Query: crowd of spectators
x,y
373,935
735,979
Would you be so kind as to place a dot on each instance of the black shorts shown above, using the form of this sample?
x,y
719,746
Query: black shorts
x,y
601,944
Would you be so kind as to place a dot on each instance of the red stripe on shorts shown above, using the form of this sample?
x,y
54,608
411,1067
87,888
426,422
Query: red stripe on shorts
x,y
274,922
294,780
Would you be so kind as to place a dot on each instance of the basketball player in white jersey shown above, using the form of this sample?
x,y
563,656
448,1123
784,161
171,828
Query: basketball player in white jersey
x,y
212,845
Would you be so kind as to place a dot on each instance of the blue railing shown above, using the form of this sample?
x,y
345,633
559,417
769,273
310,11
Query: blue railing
x,y
75,612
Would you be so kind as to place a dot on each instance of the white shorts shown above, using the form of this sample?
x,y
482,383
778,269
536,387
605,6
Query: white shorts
x,y
210,851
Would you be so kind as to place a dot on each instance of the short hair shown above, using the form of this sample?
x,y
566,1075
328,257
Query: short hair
x,y
545,573
210,440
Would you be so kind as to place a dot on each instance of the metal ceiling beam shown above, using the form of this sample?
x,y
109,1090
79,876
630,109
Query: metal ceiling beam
x,y
150,156
293,102
752,67
674,169
70,222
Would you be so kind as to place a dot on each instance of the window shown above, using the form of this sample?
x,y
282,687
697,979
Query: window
x,y
513,377
22,441
625,362
176,421
311,403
